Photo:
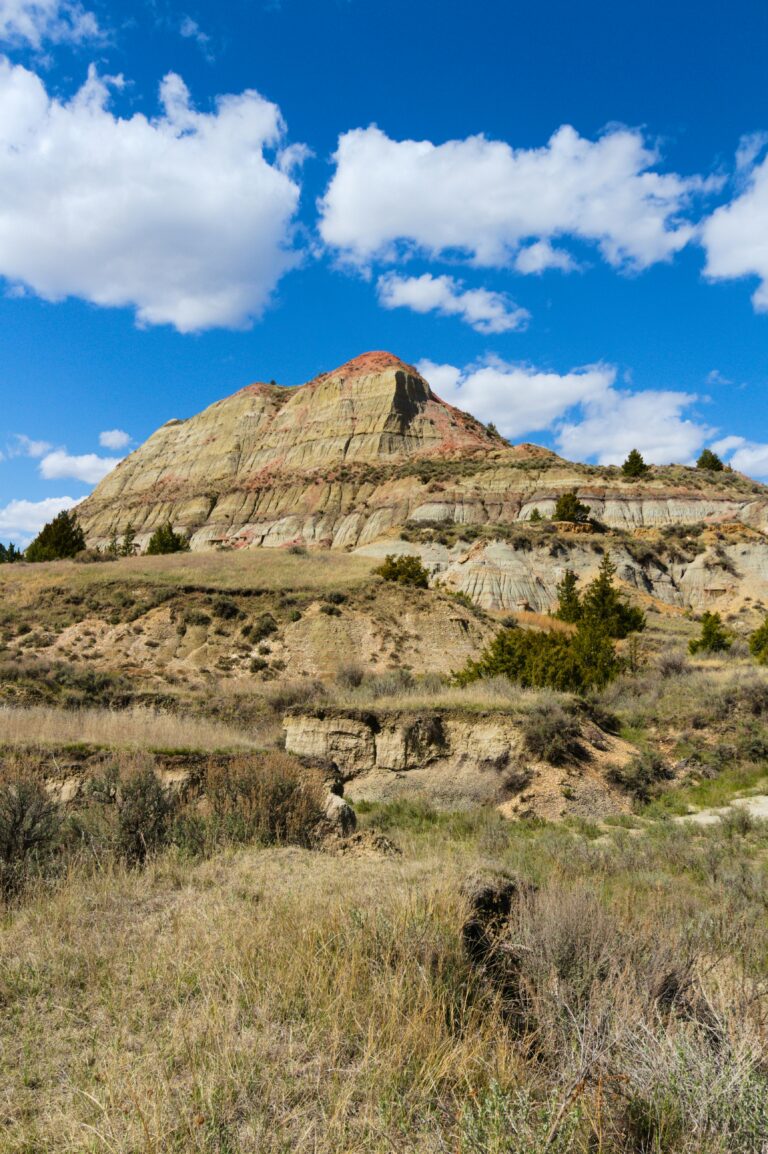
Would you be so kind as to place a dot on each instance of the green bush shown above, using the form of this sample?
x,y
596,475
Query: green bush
x,y
713,637
758,643
553,659
164,540
603,604
62,537
568,507
404,570
568,599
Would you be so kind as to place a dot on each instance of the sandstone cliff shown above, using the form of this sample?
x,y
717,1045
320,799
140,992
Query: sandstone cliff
x,y
368,458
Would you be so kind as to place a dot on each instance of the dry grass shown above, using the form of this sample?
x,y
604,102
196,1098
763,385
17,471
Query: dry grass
x,y
131,729
269,569
279,1001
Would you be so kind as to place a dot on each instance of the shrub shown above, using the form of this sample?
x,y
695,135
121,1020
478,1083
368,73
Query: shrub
x,y
164,540
640,774
758,643
224,609
713,637
144,814
265,626
550,659
568,507
61,537
634,466
551,734
404,570
269,800
711,461
330,610
29,823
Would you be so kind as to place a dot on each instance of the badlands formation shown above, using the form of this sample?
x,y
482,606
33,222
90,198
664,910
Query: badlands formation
x,y
368,459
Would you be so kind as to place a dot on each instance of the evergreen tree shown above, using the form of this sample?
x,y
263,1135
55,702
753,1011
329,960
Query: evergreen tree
x,y
711,461
61,537
634,466
713,638
568,600
568,507
164,540
113,548
603,604
758,643
535,516
9,554
128,547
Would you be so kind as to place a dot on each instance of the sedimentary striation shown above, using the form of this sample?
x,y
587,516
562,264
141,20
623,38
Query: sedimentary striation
x,y
367,457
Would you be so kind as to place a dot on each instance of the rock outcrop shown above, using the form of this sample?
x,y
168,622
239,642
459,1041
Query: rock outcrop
x,y
457,760
368,458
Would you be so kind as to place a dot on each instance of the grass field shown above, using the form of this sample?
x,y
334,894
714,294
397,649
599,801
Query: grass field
x,y
283,1000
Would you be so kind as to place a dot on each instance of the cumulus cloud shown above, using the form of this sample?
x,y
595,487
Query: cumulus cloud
x,y
485,311
735,236
589,417
89,468
652,421
183,217
24,446
114,439
35,21
747,456
23,520
495,205
519,399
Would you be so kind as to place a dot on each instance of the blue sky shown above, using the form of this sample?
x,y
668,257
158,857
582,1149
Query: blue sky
x,y
558,211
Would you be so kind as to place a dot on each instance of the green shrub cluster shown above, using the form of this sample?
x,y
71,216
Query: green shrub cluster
x,y
164,540
403,570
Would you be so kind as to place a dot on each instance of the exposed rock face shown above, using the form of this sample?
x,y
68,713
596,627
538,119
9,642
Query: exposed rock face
x,y
456,760
350,457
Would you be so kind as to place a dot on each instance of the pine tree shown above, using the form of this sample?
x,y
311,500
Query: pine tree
x,y
713,637
602,603
9,554
568,600
568,507
128,547
535,516
634,466
164,540
61,537
113,548
711,461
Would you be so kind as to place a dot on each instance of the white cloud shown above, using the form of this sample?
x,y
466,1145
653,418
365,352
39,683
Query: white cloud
x,y
485,200
23,520
518,399
191,30
34,21
24,446
539,256
89,468
589,417
735,236
485,311
652,421
114,439
747,456
182,217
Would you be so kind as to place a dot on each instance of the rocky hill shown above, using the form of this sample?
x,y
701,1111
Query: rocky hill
x,y
368,458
